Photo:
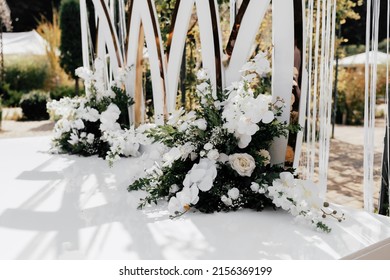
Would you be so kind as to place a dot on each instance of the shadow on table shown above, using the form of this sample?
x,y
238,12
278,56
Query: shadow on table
x,y
82,181
97,218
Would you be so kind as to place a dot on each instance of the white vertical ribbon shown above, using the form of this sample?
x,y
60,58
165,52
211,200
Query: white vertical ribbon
x,y
84,33
319,61
177,46
208,39
322,106
309,170
249,27
372,29
232,13
314,92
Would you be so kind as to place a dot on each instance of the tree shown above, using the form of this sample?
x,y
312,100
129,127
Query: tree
x,y
25,13
71,53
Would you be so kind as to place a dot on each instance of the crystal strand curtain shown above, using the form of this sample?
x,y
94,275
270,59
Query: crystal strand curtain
x,y
372,28
320,52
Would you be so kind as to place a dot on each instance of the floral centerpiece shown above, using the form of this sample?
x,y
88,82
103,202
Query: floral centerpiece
x,y
218,157
97,123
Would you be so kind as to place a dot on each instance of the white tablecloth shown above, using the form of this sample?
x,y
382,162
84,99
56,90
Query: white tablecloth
x,y
70,207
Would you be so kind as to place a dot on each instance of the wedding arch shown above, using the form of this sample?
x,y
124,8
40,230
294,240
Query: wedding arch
x,y
67,206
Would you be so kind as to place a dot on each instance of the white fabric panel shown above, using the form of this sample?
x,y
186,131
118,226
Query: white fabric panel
x,y
109,39
84,33
141,14
249,27
177,48
207,39
282,67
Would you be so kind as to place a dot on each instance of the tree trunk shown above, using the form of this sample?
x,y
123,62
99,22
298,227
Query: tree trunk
x,y
76,86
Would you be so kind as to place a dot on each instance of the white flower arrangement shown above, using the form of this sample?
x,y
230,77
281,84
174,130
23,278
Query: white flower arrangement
x,y
218,158
98,122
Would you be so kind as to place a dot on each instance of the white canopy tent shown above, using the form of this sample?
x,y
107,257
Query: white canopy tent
x,y
360,59
23,43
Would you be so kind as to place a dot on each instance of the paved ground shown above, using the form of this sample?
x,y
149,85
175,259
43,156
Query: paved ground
x,y
345,178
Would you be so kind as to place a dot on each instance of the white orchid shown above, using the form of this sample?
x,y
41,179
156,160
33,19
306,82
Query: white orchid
x,y
170,157
262,65
201,175
183,200
175,117
243,112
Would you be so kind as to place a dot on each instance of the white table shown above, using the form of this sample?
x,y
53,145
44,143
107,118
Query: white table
x,y
70,207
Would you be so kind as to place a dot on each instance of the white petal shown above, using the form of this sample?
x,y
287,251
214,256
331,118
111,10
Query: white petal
x,y
244,141
197,174
206,184
174,206
268,117
194,194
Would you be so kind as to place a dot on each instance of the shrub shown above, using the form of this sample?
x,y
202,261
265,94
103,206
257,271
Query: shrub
x,y
34,105
63,91
26,73
351,87
11,98
71,55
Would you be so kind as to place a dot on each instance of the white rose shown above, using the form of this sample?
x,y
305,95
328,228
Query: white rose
x,y
201,124
90,138
208,146
226,200
255,187
267,157
234,193
213,154
244,164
